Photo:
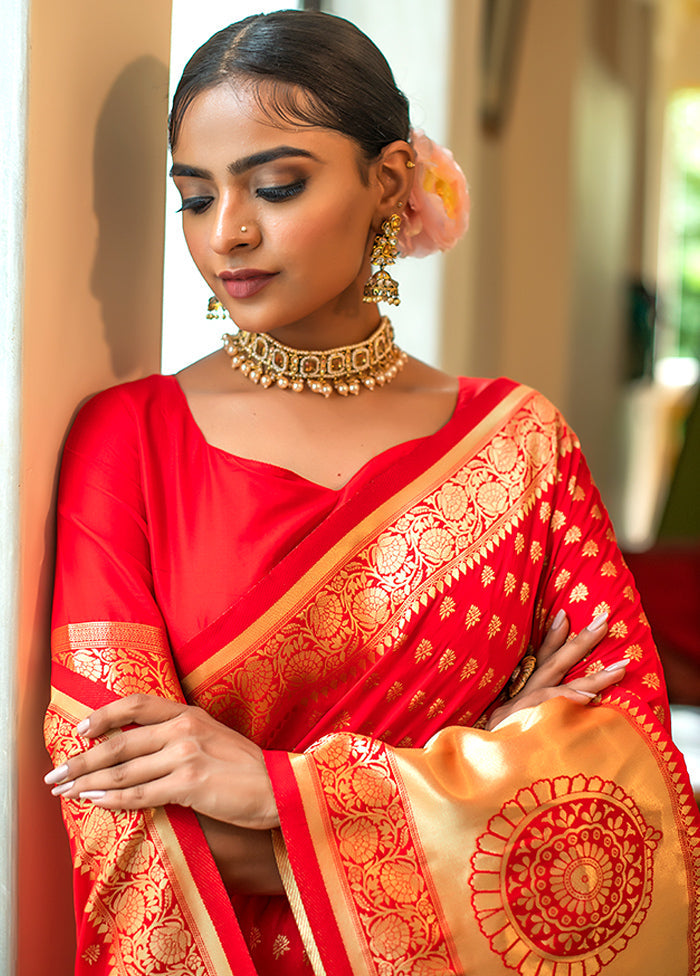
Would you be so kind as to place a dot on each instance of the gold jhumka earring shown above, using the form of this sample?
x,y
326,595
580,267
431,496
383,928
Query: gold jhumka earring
x,y
215,310
381,287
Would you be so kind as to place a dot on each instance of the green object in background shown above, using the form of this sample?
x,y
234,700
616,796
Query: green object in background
x,y
681,518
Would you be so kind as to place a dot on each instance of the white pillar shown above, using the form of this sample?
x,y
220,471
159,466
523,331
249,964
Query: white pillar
x,y
13,82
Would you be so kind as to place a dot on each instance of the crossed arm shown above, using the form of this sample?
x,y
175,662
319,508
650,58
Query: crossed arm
x,y
157,752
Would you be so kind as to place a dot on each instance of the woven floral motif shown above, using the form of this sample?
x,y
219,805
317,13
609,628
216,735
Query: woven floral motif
x,y
134,913
353,615
127,658
563,875
393,899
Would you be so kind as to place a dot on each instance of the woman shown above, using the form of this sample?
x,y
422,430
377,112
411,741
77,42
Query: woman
x,y
294,720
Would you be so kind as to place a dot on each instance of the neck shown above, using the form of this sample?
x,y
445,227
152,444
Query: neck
x,y
323,331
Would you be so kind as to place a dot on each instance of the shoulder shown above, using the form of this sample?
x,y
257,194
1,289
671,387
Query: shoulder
x,y
110,427
123,406
517,399
519,413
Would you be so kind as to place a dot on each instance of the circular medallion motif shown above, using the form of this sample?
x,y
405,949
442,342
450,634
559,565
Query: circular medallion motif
x,y
563,874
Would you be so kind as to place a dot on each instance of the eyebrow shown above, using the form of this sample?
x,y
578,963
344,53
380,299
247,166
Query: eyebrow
x,y
246,163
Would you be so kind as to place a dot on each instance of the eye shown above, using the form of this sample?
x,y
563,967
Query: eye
x,y
275,194
195,204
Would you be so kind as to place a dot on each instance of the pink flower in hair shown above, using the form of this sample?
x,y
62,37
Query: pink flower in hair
x,y
437,212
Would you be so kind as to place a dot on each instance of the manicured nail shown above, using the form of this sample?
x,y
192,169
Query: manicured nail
x,y
558,620
588,694
56,775
59,790
597,622
92,794
618,664
82,727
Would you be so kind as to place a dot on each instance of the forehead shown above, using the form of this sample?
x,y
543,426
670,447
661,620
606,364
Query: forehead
x,y
231,121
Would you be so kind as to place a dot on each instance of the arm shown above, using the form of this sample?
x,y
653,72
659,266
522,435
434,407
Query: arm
x,y
178,754
382,845
443,854
584,574
108,641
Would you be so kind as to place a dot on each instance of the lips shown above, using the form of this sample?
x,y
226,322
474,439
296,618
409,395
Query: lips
x,y
245,282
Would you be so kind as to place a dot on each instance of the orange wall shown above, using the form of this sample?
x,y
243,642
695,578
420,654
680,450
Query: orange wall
x,y
94,231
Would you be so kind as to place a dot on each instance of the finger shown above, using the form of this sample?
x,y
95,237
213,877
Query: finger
x,y
583,691
132,710
117,749
142,796
554,639
135,772
594,684
137,709
554,669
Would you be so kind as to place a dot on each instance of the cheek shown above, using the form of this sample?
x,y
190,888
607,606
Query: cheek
x,y
195,240
333,234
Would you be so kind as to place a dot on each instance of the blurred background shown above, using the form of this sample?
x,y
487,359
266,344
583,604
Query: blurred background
x,y
578,126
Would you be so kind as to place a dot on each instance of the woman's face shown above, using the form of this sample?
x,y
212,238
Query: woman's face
x,y
301,262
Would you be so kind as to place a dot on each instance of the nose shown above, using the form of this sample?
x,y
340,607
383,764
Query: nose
x,y
232,229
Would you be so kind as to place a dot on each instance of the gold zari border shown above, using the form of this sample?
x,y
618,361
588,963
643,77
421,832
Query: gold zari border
x,y
125,657
280,612
486,787
296,903
142,907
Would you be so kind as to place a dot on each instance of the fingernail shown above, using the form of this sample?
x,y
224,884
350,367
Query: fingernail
x,y
82,727
618,664
597,622
92,794
59,790
558,620
56,775
588,694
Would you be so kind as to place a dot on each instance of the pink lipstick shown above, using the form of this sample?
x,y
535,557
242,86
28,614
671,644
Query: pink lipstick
x,y
246,281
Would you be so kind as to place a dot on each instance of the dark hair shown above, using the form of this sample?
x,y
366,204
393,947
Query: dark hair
x,y
303,68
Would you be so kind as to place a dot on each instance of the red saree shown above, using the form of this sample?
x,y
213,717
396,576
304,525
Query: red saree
x,y
359,636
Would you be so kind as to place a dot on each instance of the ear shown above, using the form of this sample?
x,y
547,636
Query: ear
x,y
395,170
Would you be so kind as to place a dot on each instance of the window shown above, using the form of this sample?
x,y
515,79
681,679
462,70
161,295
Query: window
x,y
678,349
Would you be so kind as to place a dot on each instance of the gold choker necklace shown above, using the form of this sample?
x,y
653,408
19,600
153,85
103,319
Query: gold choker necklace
x,y
344,370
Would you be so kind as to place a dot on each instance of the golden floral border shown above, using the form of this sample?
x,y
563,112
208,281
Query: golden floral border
x,y
359,607
687,810
298,593
397,918
135,865
125,657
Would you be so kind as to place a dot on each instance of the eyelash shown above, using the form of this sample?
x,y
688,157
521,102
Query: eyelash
x,y
274,194
195,204
271,194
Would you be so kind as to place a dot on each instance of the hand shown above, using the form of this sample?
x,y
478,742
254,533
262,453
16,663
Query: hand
x,y
555,658
176,754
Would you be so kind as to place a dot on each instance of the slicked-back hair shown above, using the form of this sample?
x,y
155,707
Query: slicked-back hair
x,y
303,68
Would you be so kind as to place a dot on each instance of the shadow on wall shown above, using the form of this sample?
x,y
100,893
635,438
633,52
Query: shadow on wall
x,y
130,149
129,158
